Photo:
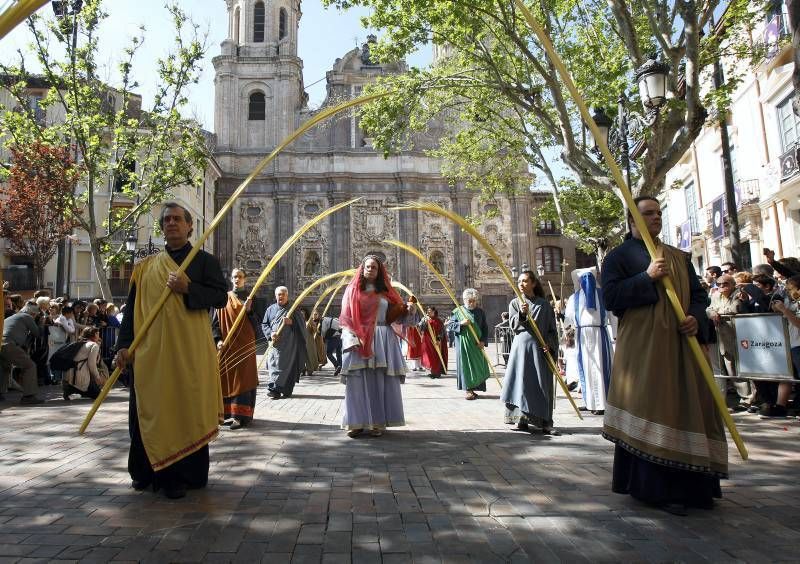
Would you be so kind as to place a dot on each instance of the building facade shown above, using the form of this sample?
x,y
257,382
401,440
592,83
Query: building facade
x,y
71,272
764,137
260,99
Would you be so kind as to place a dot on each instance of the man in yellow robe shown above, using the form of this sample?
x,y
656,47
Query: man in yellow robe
x,y
176,399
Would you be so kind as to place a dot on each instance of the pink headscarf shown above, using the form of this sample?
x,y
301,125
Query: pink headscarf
x,y
360,308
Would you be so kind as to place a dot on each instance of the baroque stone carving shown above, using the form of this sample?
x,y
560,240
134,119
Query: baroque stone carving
x,y
497,233
311,251
436,243
371,223
252,252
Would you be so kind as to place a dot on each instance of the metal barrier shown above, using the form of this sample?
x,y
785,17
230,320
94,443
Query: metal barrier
x,y
109,339
503,335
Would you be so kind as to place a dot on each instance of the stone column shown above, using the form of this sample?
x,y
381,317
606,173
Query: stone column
x,y
522,239
463,241
340,230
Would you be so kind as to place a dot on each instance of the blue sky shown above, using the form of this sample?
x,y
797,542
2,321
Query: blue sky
x,y
324,36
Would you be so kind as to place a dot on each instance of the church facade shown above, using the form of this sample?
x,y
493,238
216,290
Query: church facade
x,y
260,99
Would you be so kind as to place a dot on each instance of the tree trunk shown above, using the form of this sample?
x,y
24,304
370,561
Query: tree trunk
x,y
99,269
38,275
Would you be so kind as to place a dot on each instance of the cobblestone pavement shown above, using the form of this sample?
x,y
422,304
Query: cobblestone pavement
x,y
454,485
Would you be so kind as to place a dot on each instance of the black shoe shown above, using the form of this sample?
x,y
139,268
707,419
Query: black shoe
x,y
175,491
337,370
769,411
273,394
583,409
678,509
30,400
522,426
571,386
140,485
236,424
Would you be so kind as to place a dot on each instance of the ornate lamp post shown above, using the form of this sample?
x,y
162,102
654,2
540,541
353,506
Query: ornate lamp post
x,y
130,245
652,80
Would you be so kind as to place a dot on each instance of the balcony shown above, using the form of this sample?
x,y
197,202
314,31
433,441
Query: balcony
x,y
548,232
774,32
20,279
747,192
119,288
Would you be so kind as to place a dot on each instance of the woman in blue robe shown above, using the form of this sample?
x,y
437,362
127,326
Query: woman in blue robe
x,y
528,388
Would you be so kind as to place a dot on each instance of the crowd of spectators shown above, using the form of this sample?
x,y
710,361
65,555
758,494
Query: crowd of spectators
x,y
772,287
34,329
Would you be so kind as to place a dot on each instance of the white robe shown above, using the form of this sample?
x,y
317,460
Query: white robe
x,y
594,381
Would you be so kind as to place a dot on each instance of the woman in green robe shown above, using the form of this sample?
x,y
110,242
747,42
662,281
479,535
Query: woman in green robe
x,y
472,370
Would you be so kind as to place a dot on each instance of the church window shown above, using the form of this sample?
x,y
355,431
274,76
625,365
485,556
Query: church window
x,y
259,22
437,260
549,258
283,23
257,108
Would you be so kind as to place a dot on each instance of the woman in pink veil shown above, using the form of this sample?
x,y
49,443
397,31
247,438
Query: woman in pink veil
x,y
372,362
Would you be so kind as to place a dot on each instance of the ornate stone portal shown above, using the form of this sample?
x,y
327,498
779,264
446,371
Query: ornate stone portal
x,y
252,252
373,222
311,251
261,98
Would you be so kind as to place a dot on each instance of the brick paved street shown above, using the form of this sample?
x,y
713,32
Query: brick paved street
x,y
455,485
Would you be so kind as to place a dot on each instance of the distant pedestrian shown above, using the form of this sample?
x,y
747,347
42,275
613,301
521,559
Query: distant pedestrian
x,y
332,334
287,353
472,369
238,369
434,350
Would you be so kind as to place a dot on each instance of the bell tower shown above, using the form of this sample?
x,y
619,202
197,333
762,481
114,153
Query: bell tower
x,y
258,77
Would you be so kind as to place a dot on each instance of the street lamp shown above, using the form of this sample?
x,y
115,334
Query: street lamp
x,y
652,80
130,244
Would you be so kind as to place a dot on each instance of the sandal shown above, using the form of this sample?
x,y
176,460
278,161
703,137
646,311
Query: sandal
x,y
352,433
472,396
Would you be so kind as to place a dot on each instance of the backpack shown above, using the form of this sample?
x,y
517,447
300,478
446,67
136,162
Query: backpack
x,y
64,357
